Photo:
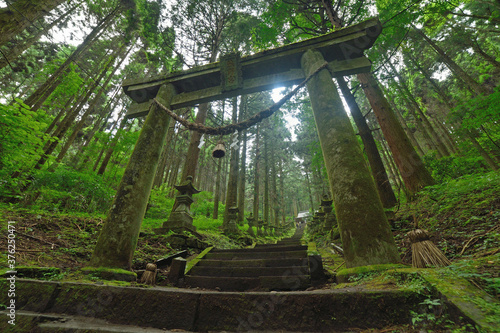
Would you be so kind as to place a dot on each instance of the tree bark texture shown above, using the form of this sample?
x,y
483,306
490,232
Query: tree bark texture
x,y
256,176
410,165
441,149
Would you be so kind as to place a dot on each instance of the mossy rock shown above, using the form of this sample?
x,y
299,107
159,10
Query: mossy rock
x,y
344,274
106,273
32,272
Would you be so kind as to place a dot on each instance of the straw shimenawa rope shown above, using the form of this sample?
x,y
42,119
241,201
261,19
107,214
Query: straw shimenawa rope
x,y
229,129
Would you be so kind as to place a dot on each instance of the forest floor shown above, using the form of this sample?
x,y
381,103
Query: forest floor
x,y
462,216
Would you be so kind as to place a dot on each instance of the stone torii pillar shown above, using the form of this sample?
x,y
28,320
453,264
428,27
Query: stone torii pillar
x,y
364,229
118,238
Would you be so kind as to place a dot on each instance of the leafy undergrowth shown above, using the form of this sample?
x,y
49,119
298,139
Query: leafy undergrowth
x,y
462,215
463,219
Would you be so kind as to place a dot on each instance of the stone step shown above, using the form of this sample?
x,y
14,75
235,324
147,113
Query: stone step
x,y
267,248
52,323
347,309
248,271
288,243
268,283
255,255
252,263
92,325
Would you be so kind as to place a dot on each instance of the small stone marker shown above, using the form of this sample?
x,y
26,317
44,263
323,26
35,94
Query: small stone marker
x,y
177,270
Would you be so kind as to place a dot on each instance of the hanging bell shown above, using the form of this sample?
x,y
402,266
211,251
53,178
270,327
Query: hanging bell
x,y
219,150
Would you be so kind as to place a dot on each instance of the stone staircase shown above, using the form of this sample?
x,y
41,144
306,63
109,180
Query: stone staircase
x,y
283,266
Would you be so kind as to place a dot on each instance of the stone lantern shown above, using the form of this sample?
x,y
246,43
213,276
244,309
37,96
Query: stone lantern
x,y
260,227
251,220
330,219
181,218
232,227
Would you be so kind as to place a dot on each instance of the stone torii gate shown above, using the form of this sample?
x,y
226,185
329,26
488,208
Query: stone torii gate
x,y
365,232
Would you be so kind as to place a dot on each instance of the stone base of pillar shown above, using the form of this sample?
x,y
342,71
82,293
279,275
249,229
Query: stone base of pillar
x,y
232,229
177,220
179,229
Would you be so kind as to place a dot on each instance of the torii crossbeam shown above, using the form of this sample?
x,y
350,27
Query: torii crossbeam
x,y
279,67
365,232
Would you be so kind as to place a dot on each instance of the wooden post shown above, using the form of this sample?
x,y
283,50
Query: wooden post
x,y
365,232
118,239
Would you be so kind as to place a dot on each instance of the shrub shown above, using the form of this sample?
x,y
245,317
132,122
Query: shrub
x,y
452,167
21,140
159,206
204,205
69,190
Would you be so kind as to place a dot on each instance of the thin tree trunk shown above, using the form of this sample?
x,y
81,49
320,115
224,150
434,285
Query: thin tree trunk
x,y
441,149
453,66
56,120
36,99
282,191
408,131
427,141
160,173
92,105
274,187
111,148
377,167
308,183
386,155
19,15
20,47
256,176
484,154
217,189
266,202
67,122
412,169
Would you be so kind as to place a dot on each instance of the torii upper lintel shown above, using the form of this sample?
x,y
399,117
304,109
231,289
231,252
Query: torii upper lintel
x,y
342,49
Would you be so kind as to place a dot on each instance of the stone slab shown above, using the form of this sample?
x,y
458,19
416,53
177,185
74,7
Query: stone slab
x,y
321,311
269,248
191,310
253,262
256,255
31,295
247,271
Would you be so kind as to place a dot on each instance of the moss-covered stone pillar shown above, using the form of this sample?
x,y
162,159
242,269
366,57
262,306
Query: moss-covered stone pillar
x,y
118,238
365,232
